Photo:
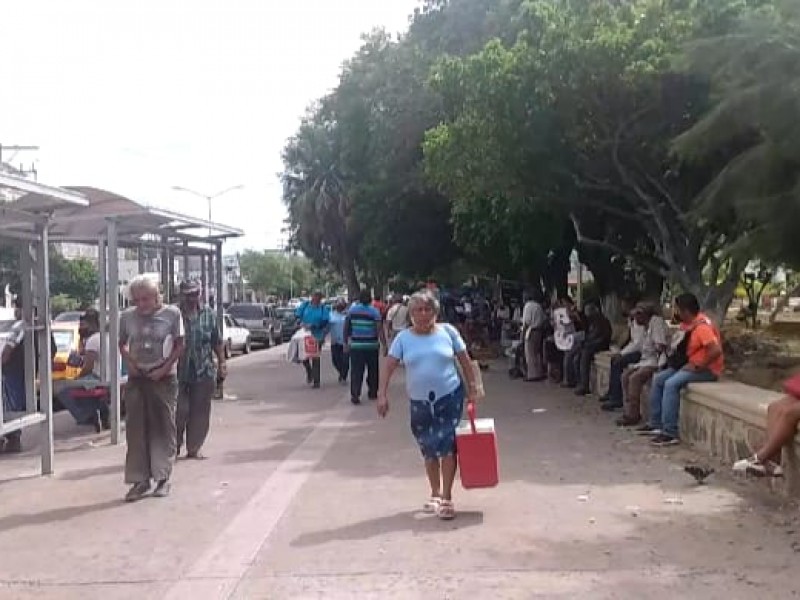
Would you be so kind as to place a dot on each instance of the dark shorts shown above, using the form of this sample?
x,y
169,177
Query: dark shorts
x,y
434,423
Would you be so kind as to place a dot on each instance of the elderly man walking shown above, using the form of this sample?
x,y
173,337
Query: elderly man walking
x,y
150,342
197,371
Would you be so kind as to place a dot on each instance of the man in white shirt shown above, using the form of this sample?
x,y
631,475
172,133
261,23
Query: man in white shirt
x,y
396,318
88,409
534,320
653,348
629,355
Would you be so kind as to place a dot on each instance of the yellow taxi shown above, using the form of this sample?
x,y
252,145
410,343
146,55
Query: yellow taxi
x,y
67,339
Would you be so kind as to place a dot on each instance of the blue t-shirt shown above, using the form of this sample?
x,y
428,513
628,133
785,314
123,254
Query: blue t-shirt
x,y
337,321
364,323
315,318
429,360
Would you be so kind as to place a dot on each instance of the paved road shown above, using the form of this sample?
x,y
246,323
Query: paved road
x,y
305,496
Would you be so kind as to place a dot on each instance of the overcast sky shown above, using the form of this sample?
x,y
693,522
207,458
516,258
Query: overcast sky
x,y
137,97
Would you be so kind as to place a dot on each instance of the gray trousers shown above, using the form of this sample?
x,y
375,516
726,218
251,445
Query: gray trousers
x,y
534,354
150,428
194,413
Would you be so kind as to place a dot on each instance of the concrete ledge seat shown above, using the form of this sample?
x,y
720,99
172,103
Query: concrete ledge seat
x,y
727,419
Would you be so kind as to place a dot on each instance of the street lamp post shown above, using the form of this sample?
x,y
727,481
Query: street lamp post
x,y
208,199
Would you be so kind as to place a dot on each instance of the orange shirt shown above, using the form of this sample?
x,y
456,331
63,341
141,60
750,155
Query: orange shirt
x,y
703,334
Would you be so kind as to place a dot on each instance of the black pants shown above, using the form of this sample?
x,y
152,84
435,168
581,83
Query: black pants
x,y
585,364
312,370
341,361
360,361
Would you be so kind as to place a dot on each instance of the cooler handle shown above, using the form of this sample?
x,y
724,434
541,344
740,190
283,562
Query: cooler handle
x,y
471,415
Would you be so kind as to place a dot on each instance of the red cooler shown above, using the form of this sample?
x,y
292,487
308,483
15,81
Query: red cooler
x,y
476,444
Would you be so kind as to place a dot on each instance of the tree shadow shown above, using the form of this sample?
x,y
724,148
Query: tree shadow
x,y
416,522
16,521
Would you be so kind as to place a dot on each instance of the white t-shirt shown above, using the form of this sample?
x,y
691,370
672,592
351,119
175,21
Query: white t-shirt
x,y
398,317
93,345
533,315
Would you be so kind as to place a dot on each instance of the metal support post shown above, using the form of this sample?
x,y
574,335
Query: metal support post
x,y
102,276
113,330
219,308
204,277
26,267
43,332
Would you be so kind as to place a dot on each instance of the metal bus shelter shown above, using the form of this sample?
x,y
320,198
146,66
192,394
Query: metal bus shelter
x,y
111,222
26,209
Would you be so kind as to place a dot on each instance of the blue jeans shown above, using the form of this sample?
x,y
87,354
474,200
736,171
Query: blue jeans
x,y
665,397
83,410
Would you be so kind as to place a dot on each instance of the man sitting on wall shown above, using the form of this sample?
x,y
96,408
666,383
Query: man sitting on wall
x,y
629,355
697,358
654,345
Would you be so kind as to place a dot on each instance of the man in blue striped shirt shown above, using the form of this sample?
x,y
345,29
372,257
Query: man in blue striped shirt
x,y
364,336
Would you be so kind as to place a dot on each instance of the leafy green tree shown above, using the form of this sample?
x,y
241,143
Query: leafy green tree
x,y
76,278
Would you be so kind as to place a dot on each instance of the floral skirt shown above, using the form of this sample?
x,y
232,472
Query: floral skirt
x,y
434,422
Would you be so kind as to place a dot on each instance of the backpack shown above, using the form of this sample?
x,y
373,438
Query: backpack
x,y
679,356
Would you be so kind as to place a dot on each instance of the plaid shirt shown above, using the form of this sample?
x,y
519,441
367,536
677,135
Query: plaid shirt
x,y
202,336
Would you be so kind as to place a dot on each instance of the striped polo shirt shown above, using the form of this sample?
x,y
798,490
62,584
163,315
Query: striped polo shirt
x,y
364,323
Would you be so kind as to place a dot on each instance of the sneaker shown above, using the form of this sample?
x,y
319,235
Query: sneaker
x,y
626,421
610,406
581,392
355,400
647,430
663,440
137,491
163,488
753,466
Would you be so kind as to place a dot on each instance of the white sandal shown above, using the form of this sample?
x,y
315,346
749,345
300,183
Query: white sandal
x,y
432,506
447,511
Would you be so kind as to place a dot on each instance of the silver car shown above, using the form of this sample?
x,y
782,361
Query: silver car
x,y
261,320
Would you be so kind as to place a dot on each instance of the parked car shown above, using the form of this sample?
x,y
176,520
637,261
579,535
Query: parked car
x,y
290,324
261,320
235,337
70,316
67,339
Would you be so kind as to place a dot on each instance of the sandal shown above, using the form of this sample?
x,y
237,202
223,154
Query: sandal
x,y
432,506
447,511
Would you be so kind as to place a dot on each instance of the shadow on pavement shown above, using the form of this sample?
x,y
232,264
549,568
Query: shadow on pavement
x,y
80,474
413,521
66,513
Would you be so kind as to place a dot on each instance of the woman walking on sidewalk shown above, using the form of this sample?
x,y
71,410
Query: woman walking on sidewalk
x,y
429,350
314,316
150,341
339,354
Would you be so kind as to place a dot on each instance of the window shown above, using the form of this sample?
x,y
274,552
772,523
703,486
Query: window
x,y
63,339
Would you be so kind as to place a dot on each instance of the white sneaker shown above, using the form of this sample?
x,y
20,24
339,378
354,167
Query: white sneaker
x,y
751,465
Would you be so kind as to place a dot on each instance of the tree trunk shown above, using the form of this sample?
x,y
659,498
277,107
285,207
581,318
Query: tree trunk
x,y
351,280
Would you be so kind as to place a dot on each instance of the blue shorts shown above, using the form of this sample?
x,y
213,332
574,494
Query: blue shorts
x,y
434,423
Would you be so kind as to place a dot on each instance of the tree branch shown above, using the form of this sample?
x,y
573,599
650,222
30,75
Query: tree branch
x,y
645,262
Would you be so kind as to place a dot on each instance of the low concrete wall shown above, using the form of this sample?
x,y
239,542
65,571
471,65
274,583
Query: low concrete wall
x,y
726,419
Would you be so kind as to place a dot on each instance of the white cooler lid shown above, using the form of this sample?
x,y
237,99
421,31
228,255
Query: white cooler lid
x,y
481,425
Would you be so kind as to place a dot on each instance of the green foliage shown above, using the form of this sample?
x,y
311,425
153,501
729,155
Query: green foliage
x,y
76,279
283,275
62,303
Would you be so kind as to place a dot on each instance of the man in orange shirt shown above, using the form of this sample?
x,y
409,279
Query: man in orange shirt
x,y
696,358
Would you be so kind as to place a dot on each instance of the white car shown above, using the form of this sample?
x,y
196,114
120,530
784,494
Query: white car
x,y
235,337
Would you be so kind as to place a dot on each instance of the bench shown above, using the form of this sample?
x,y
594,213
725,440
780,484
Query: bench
x,y
727,420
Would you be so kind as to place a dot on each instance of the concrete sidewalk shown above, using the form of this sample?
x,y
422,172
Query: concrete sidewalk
x,y
306,496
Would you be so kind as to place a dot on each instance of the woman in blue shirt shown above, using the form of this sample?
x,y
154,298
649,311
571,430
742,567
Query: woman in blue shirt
x,y
428,351
314,316
341,360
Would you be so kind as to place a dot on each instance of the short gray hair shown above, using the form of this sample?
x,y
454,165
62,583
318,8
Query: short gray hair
x,y
424,297
143,283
